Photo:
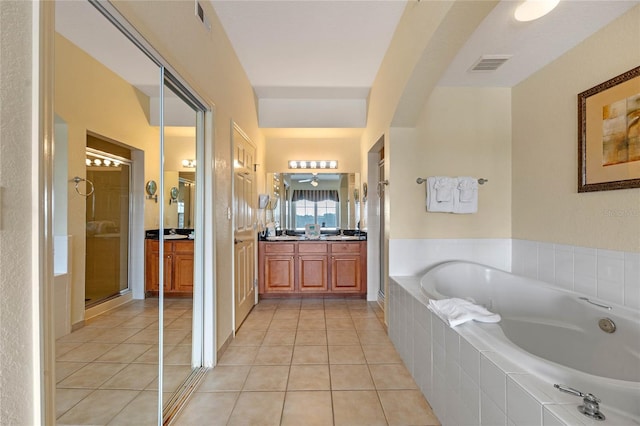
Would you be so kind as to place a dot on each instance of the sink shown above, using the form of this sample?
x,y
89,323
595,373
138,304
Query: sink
x,y
175,237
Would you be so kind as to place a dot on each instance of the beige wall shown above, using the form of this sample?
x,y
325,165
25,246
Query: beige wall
x,y
175,32
460,132
546,205
279,150
89,97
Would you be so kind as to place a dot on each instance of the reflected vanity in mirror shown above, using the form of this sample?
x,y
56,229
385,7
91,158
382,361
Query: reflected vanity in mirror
x,y
328,199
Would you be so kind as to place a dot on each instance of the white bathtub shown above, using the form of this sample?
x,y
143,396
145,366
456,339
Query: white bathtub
x,y
551,332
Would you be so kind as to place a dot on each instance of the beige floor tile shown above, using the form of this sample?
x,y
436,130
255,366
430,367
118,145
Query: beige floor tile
x,y
85,334
115,335
357,408
67,398
368,324
267,378
251,324
307,408
225,378
66,368
279,337
311,314
125,352
407,407
351,377
283,324
257,408
374,337
308,377
208,409
310,355
87,352
248,338
391,376
341,323
64,347
179,355
133,377
311,337
147,335
337,313
346,355
381,354
181,324
286,314
142,411
139,322
105,321
91,375
274,355
342,337
173,377
173,337
311,324
151,356
98,408
239,355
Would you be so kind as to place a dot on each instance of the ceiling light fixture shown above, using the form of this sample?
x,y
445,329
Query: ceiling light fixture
x,y
189,163
313,164
534,9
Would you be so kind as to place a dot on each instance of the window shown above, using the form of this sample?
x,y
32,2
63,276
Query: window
x,y
324,213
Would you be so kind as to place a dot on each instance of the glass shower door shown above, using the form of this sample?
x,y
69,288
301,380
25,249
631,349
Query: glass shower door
x,y
107,221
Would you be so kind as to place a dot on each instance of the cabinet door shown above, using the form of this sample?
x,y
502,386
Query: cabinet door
x,y
152,270
312,273
183,272
345,274
279,274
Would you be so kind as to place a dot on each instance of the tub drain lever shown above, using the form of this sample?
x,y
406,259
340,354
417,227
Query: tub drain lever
x,y
590,408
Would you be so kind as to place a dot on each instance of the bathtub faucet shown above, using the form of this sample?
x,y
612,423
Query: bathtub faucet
x,y
590,408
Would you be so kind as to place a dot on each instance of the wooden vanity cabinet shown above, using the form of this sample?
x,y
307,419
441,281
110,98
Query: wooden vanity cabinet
x,y
178,268
346,268
312,268
276,267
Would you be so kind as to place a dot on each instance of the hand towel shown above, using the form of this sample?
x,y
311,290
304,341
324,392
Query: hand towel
x,y
465,199
458,311
440,194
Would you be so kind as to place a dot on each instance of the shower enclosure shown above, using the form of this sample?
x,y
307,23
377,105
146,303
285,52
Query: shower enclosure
x,y
107,223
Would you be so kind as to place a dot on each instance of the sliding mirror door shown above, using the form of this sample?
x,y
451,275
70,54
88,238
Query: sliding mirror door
x,y
133,215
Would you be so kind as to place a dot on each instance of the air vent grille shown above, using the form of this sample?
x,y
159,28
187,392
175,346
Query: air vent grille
x,y
202,17
488,63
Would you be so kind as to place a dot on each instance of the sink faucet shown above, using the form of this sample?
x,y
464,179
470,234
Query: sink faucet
x,y
172,231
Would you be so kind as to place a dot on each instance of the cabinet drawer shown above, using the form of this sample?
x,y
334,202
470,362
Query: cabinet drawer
x,y
345,247
312,248
279,248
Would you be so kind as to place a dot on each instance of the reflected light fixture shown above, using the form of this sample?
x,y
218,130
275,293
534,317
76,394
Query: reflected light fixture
x,y
313,164
189,163
533,9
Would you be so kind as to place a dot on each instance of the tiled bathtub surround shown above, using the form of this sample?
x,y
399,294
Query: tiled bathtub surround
x,y
465,381
613,276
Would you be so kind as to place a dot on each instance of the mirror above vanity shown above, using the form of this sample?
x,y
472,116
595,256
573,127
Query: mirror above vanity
x,y
331,200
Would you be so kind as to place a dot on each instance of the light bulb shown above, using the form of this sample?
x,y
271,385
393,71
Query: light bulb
x,y
534,9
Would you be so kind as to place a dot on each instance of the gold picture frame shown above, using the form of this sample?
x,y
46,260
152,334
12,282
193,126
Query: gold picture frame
x,y
609,134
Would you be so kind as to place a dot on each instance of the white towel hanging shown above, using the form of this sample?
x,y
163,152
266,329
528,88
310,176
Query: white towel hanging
x,y
465,200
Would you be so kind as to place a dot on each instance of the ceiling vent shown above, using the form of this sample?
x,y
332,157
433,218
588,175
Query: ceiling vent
x,y
488,63
202,17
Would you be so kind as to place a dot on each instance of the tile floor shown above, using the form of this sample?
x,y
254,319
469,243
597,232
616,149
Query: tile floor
x,y
107,371
309,362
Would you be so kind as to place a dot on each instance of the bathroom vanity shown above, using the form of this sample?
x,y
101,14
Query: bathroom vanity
x,y
291,266
178,267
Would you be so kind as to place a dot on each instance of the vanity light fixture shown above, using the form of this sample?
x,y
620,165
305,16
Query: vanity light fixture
x,y
313,164
533,9
189,163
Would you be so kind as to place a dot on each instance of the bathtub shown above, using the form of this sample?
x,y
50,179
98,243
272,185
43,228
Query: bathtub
x,y
550,332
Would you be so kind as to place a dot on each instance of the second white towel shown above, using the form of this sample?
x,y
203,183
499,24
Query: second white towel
x,y
456,311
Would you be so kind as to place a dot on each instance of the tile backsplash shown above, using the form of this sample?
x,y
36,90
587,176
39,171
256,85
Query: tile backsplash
x,y
613,276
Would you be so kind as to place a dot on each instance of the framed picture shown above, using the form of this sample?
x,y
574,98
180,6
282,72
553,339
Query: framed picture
x,y
609,134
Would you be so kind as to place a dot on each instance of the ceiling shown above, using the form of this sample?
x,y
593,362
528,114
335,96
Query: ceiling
x,y
307,58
